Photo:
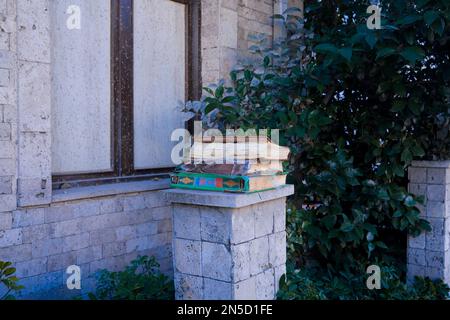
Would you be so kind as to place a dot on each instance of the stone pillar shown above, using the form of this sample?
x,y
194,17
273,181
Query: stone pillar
x,y
228,246
428,254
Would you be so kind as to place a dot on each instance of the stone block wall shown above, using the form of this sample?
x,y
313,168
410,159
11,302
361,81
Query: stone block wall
x,y
229,247
8,106
101,233
226,44
429,253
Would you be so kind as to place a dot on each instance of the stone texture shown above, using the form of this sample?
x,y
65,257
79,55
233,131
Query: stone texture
x,y
428,254
245,290
187,257
265,285
277,249
188,287
240,257
233,260
216,261
264,222
186,223
216,290
215,225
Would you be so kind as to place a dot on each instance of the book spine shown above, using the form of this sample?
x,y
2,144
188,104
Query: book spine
x,y
209,182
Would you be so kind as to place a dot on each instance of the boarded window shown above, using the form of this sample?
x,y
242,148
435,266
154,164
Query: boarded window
x,y
159,79
81,115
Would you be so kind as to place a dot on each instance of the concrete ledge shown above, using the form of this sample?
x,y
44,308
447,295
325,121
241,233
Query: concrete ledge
x,y
225,200
108,190
431,164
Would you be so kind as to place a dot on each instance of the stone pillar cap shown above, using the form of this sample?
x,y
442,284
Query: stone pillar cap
x,y
226,199
431,164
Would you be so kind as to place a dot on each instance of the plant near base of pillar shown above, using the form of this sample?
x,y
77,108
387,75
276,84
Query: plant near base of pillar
x,y
315,284
8,280
355,106
141,280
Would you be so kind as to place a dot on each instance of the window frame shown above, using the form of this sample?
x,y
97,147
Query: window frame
x,y
122,95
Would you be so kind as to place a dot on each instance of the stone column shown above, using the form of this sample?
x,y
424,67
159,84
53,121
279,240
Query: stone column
x,y
228,246
428,254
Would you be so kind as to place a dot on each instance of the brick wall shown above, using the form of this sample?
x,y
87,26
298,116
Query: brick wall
x,y
42,236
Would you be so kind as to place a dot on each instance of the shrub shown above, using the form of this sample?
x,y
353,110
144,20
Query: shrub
x,y
8,280
141,280
355,106
315,284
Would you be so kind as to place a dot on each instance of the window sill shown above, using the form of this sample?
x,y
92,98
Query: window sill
x,y
108,190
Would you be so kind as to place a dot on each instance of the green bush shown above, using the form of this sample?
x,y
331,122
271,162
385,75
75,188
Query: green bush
x,y
355,106
8,280
315,284
141,280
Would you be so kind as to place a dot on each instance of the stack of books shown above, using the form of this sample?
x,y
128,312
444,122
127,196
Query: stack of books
x,y
232,164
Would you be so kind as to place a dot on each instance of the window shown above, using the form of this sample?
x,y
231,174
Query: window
x,y
119,83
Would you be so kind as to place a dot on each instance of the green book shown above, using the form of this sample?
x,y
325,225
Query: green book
x,y
224,183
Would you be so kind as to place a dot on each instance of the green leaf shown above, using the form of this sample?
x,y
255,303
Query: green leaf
x,y
410,19
406,156
397,214
430,16
9,271
385,52
326,47
219,92
410,202
346,53
398,106
329,221
347,227
412,54
381,244
415,108
371,39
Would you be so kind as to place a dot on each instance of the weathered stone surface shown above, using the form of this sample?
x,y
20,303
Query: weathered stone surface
x,y
265,285
216,290
259,255
417,175
277,249
245,290
279,272
215,225
10,237
31,268
26,218
5,220
240,257
186,223
417,242
226,200
417,257
188,287
243,225
436,192
33,25
264,222
428,254
216,261
187,257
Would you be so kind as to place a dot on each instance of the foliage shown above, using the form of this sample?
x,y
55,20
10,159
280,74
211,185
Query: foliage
x,y
141,280
8,280
355,106
314,284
